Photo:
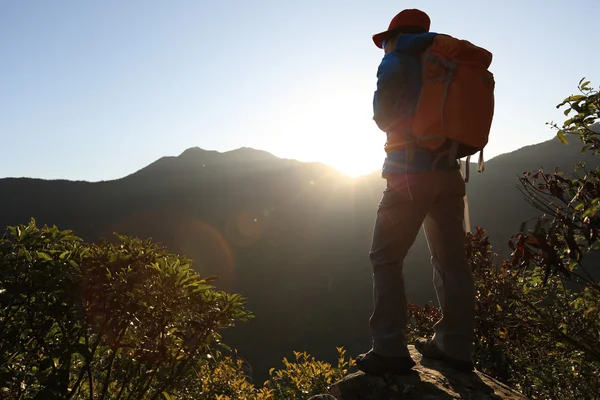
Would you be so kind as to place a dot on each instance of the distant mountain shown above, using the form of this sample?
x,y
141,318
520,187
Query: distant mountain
x,y
196,161
292,237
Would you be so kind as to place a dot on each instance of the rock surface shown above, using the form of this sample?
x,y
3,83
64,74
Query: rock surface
x,y
429,380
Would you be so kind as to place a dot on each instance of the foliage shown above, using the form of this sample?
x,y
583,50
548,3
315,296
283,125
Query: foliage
x,y
529,332
306,377
568,232
570,202
421,321
225,380
106,321
557,258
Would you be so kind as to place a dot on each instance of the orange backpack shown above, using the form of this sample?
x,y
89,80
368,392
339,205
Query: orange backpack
x,y
456,105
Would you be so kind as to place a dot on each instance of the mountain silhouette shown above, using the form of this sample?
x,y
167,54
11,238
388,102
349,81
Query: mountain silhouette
x,y
292,237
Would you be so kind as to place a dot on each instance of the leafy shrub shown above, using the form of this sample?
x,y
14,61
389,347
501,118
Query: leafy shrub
x,y
225,380
306,377
105,321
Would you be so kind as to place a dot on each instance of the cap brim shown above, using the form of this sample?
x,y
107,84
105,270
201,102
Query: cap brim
x,y
380,37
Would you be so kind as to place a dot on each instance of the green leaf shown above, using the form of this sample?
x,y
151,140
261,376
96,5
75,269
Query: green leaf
x,y
166,395
71,238
180,277
201,288
561,136
564,328
567,111
590,310
585,84
577,97
43,256
591,211
226,347
84,252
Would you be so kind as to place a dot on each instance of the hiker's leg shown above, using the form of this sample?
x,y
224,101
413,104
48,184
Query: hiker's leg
x,y
452,276
399,218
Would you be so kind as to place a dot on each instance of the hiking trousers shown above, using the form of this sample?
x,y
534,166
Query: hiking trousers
x,y
436,201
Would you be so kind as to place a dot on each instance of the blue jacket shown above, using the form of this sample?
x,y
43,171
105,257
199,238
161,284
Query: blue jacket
x,y
398,88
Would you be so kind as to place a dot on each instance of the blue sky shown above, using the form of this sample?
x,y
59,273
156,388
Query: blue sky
x,y
95,90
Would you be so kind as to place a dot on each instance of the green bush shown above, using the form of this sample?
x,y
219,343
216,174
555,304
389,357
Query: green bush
x,y
224,379
306,377
106,321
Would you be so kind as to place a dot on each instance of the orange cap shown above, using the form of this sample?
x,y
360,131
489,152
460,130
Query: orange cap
x,y
409,18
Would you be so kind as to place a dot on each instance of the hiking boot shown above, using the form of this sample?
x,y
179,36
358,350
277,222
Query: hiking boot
x,y
374,364
429,350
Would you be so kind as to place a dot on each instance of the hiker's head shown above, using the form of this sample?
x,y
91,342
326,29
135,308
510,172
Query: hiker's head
x,y
406,21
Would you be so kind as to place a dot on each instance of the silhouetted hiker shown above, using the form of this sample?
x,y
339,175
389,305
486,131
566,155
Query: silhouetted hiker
x,y
420,80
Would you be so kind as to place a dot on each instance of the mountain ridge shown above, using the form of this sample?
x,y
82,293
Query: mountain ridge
x,y
242,155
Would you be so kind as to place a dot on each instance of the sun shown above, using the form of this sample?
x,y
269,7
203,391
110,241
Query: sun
x,y
330,122
356,162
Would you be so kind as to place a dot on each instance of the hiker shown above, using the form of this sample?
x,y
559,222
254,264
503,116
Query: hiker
x,y
425,186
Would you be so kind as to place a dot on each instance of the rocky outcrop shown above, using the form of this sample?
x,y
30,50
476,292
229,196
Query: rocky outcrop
x,y
429,380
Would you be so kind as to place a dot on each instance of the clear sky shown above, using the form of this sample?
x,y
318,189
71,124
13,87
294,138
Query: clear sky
x,y
95,90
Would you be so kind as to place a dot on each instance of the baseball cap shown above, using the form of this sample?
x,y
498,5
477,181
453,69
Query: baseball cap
x,y
410,19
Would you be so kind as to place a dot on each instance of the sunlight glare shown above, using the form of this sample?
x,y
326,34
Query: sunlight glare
x,y
328,122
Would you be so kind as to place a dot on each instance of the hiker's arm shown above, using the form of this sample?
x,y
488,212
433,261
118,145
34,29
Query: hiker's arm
x,y
391,101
